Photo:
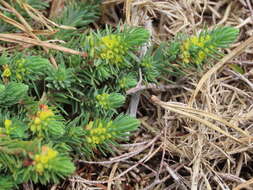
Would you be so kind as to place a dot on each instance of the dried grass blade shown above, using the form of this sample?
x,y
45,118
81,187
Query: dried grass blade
x,y
41,18
211,116
194,117
12,22
128,11
30,11
27,27
18,39
244,185
197,164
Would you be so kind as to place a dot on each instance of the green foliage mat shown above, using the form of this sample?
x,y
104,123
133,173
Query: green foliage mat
x,y
51,114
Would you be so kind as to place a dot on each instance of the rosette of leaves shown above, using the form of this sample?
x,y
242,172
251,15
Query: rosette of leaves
x,y
6,183
77,14
110,101
28,160
89,135
127,81
31,68
189,52
96,71
60,77
15,128
12,93
24,69
49,165
150,69
13,154
111,52
46,124
23,157
102,133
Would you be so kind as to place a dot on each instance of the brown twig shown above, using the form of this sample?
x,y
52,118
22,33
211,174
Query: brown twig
x,y
190,114
124,156
27,28
149,155
153,87
250,8
246,184
17,39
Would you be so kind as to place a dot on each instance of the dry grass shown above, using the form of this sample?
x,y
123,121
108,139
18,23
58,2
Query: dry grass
x,y
194,136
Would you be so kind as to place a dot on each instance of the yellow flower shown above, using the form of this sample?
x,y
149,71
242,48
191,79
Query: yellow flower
x,y
33,128
42,160
112,48
7,123
20,62
196,41
51,154
7,71
89,126
99,134
37,121
103,100
39,168
19,76
111,41
89,140
122,83
37,158
41,119
45,114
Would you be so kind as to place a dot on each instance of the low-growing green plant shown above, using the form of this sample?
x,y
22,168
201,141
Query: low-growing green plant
x,y
50,115
191,52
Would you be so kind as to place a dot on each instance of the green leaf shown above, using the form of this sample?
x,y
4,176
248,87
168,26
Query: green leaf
x,y
110,101
237,68
6,183
13,93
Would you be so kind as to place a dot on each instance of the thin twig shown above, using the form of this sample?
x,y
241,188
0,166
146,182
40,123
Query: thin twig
x,y
124,156
243,78
144,159
175,176
152,86
250,8
18,39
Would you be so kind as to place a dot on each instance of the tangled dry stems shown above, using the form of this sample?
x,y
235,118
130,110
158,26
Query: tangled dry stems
x,y
200,135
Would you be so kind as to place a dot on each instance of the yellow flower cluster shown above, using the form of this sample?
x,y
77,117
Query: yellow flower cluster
x,y
112,48
199,42
7,72
21,71
123,83
127,82
41,119
103,100
147,64
7,125
41,161
99,134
